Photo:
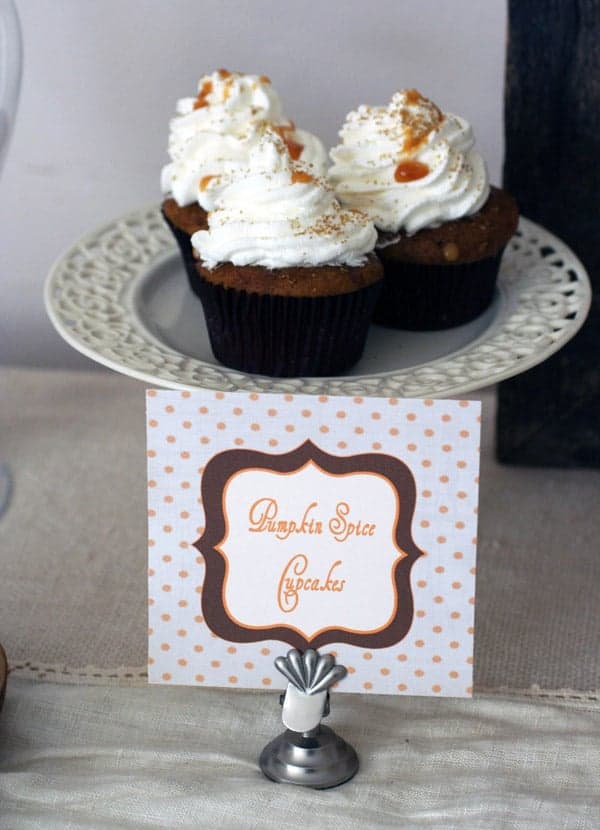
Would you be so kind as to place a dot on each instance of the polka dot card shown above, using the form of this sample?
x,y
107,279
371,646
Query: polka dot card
x,y
298,521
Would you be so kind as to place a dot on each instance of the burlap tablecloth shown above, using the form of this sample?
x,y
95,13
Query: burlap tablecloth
x,y
115,758
73,553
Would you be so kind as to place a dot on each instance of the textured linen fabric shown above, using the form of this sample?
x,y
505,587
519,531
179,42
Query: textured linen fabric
x,y
114,757
73,544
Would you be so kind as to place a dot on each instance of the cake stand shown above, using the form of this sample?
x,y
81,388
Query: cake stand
x,y
121,297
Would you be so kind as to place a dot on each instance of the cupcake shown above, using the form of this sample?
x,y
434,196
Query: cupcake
x,y
286,276
441,228
218,129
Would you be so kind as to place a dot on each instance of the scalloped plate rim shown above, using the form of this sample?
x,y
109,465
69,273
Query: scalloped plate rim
x,y
282,384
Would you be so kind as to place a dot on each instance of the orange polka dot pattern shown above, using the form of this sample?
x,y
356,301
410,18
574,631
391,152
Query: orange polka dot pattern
x,y
437,439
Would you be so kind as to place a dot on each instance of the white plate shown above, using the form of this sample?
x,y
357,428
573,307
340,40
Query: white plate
x,y
121,297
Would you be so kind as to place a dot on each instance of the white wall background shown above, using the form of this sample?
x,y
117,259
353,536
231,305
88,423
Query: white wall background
x,y
102,76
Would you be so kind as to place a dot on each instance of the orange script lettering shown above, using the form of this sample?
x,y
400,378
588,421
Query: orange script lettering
x,y
294,581
264,518
341,528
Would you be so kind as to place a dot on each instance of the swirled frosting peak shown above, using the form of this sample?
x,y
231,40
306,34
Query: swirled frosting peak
x,y
217,127
408,165
277,213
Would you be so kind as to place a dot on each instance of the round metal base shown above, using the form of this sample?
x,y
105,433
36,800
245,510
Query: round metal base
x,y
318,760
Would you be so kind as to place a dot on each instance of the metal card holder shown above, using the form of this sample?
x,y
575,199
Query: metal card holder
x,y
307,753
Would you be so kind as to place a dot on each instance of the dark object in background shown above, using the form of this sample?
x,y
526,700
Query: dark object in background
x,y
3,675
550,415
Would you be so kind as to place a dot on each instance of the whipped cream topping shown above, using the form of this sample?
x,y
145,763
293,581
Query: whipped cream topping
x,y
219,126
407,165
277,213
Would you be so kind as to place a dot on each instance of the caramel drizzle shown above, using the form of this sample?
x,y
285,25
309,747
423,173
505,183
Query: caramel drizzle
x,y
227,88
300,176
204,182
294,148
201,99
418,127
228,77
410,171
413,96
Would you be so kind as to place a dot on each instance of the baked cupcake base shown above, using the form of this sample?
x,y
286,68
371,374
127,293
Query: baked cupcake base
x,y
427,298
445,276
183,222
287,334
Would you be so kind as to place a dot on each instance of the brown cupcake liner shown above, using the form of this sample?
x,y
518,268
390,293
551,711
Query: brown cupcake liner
x,y
429,297
184,244
286,336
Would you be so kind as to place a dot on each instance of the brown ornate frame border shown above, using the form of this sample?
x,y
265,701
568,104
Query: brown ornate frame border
x,y
224,465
